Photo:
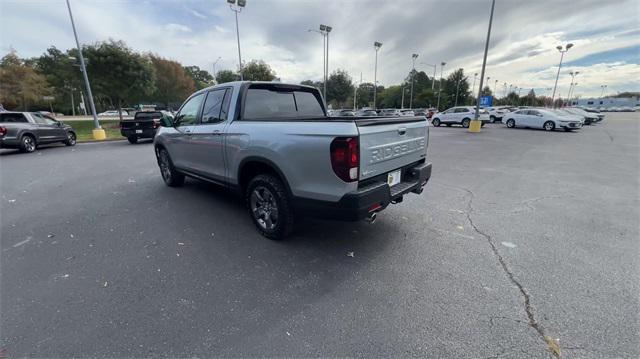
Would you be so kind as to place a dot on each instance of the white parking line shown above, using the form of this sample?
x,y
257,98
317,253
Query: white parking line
x,y
21,243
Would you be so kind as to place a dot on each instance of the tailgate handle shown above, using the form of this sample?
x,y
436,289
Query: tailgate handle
x,y
402,130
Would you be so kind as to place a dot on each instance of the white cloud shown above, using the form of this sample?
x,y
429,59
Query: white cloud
x,y
522,50
177,28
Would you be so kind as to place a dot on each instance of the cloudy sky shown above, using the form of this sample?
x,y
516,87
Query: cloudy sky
x,y
605,34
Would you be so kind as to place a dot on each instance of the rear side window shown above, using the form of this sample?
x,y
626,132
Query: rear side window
x,y
212,112
267,103
12,118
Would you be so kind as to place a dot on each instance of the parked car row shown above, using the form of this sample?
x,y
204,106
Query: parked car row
x,y
386,112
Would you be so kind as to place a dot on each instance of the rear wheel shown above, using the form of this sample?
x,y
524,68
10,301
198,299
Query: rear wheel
x,y
492,118
27,144
549,126
269,206
71,139
132,139
171,177
511,123
436,122
466,122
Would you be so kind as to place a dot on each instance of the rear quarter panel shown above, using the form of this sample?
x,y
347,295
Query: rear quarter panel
x,y
299,149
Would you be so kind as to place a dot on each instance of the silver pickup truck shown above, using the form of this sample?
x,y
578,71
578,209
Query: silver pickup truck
x,y
274,144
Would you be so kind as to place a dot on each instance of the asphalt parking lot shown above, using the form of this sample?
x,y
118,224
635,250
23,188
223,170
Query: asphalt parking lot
x,y
520,235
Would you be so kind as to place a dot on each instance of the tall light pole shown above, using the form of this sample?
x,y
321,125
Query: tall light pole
x,y
505,89
602,92
475,125
457,91
573,95
376,45
562,51
495,86
214,67
433,79
98,132
573,76
326,29
413,74
488,78
236,6
440,85
510,86
474,82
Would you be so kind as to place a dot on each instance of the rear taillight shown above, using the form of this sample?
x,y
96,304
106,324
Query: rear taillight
x,y
3,131
156,123
345,158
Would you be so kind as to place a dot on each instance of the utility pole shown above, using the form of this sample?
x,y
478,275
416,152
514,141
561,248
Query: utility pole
x,y
376,45
236,7
413,74
475,125
457,90
474,82
98,132
440,85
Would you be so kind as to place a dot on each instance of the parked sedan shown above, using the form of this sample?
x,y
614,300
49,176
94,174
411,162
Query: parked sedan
x,y
112,113
495,114
366,113
460,115
389,112
542,118
27,130
407,113
589,117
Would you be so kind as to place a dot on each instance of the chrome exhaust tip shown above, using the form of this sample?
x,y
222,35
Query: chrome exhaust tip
x,y
371,218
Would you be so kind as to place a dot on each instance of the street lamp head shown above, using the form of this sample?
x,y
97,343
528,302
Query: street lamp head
x,y
415,56
569,45
377,45
329,28
323,27
577,72
443,63
242,3
476,74
231,1
559,47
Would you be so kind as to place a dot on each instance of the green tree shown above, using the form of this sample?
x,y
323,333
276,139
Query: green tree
x,y
258,70
201,78
486,91
340,89
226,76
391,97
364,97
21,86
119,74
63,73
173,84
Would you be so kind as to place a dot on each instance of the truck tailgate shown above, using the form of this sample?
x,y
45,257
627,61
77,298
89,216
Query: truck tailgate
x,y
389,144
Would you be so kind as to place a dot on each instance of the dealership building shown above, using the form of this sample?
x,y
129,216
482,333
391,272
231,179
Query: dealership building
x,y
608,102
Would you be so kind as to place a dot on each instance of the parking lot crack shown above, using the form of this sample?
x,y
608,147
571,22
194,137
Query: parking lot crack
x,y
552,345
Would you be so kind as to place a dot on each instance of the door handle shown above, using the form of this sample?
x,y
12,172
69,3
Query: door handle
x,y
216,133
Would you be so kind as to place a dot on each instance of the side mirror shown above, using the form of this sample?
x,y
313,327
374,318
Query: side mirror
x,y
59,124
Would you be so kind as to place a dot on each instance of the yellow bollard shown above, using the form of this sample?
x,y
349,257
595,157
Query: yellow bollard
x,y
474,126
99,134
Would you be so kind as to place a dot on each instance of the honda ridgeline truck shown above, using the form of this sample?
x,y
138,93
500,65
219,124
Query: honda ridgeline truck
x,y
274,144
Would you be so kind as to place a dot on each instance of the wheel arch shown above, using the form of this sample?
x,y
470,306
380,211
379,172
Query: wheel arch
x,y
252,166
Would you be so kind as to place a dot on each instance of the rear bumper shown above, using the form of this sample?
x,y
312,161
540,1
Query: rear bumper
x,y
375,197
131,132
9,143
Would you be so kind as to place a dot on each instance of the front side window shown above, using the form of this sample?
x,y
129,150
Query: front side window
x,y
188,114
39,119
212,111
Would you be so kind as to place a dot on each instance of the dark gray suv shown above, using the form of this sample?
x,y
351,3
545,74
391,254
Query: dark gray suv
x,y
26,130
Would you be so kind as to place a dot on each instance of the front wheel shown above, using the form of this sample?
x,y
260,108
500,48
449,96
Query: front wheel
x,y
171,177
436,122
269,206
466,122
511,123
492,118
549,126
71,139
132,139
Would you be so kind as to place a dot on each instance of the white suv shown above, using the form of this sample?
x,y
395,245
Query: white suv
x,y
496,113
461,115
